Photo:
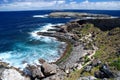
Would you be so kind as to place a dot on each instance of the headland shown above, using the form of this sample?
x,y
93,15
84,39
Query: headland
x,y
92,45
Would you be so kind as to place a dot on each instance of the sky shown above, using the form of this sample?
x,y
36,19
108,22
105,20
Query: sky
x,y
18,5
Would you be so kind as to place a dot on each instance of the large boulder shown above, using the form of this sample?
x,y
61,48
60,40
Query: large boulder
x,y
60,75
12,74
104,72
49,69
35,71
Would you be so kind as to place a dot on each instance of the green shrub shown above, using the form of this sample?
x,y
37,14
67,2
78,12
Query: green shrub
x,y
116,64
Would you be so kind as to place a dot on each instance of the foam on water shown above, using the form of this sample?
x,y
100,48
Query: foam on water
x,y
44,29
30,51
40,16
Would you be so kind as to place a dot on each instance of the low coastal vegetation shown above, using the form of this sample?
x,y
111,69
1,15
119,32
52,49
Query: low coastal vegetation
x,y
108,43
66,53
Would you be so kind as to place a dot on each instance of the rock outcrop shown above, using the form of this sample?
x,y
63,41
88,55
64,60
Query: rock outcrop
x,y
12,74
104,72
49,69
45,71
35,71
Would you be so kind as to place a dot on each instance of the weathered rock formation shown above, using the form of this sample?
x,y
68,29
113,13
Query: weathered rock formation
x,y
49,69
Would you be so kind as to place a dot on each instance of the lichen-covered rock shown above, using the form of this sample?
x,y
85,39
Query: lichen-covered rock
x,y
12,74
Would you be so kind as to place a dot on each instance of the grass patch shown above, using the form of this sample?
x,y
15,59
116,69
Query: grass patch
x,y
74,75
66,53
116,64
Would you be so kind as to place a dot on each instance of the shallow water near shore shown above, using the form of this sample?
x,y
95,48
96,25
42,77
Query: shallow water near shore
x,y
19,43
31,50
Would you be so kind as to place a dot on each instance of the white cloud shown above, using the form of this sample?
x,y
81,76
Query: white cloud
x,y
108,5
27,5
60,4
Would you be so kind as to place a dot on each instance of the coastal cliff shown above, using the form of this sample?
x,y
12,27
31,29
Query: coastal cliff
x,y
92,45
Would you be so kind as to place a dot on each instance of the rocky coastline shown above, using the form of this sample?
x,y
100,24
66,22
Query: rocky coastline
x,y
76,56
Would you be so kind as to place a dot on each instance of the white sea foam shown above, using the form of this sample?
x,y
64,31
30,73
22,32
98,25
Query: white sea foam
x,y
40,16
44,28
22,54
22,59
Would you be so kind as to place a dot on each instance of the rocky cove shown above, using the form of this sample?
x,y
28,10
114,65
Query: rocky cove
x,y
78,53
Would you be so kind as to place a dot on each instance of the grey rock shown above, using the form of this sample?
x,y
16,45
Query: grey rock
x,y
87,78
49,69
36,71
88,68
12,74
118,78
58,76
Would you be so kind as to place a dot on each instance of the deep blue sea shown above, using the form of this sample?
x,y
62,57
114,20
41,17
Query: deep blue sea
x,y
19,43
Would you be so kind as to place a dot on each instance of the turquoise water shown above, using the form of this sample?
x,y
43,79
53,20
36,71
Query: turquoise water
x,y
33,49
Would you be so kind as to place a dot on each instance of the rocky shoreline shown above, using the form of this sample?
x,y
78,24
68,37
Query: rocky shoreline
x,y
75,60
75,57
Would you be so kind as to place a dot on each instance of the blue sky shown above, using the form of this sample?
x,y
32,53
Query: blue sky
x,y
16,5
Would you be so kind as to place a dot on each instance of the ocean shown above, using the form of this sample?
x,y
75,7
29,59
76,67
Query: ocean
x,y
19,43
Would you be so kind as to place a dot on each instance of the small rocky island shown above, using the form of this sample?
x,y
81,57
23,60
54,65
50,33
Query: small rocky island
x,y
92,51
78,15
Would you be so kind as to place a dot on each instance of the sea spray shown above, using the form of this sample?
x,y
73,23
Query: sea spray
x,y
36,47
